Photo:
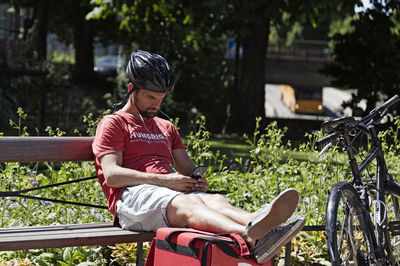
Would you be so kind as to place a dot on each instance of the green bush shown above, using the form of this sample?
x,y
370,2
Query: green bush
x,y
270,167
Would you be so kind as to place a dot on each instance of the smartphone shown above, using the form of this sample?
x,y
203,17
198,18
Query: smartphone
x,y
199,172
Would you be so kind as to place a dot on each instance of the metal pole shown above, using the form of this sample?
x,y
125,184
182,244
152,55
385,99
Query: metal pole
x,y
288,248
139,254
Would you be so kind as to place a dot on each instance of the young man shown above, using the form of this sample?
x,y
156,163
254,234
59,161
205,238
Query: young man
x,y
134,151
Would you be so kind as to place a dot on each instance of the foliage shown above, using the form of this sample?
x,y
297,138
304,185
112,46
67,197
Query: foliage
x,y
197,145
8,103
92,122
125,253
192,35
367,57
189,40
18,126
47,93
24,212
308,248
270,167
196,33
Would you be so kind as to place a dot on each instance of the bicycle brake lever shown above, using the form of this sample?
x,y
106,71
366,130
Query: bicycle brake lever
x,y
327,146
387,118
381,116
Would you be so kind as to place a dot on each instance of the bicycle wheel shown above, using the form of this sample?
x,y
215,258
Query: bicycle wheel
x,y
349,232
393,234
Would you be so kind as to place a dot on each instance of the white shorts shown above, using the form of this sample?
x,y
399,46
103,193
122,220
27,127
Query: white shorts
x,y
143,207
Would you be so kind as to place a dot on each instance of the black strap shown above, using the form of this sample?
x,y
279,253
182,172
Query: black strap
x,y
209,237
18,193
56,185
204,254
220,243
179,231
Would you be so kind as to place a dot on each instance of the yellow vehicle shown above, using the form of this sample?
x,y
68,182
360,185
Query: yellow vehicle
x,y
305,100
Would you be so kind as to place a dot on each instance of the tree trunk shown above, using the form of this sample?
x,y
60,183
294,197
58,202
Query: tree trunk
x,y
41,16
249,100
83,44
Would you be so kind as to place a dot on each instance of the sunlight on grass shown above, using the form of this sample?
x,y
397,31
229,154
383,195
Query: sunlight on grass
x,y
229,147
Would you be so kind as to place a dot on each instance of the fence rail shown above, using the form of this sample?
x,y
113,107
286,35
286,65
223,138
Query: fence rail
x,y
300,48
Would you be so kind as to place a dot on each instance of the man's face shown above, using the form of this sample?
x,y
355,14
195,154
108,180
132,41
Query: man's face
x,y
148,102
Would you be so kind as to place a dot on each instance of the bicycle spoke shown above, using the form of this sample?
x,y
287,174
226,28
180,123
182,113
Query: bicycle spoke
x,y
342,226
394,225
352,240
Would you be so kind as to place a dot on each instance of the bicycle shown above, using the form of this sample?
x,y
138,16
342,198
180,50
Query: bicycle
x,y
362,215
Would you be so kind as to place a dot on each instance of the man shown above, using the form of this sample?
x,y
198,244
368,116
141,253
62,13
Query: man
x,y
134,151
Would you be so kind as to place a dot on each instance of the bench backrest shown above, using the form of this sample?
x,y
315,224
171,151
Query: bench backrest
x,y
45,149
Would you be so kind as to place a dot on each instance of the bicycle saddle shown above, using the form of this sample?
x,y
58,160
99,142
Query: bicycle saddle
x,y
332,125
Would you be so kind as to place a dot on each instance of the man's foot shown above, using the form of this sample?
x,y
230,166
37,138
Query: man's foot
x,y
273,214
269,245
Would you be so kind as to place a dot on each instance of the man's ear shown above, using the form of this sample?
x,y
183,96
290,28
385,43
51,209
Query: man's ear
x,y
130,87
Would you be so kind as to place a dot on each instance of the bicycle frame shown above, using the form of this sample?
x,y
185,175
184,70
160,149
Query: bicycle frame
x,y
382,178
376,233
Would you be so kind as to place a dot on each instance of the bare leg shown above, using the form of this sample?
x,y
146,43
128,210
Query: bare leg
x,y
191,210
220,204
215,214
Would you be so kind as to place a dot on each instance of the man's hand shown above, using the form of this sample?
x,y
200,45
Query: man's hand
x,y
202,185
184,183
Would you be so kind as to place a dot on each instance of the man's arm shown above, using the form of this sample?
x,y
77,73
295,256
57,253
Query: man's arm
x,y
184,165
182,162
117,176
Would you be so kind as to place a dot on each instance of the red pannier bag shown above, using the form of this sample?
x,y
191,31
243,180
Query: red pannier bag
x,y
190,247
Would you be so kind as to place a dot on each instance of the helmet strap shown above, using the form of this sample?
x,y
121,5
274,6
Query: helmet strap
x,y
119,104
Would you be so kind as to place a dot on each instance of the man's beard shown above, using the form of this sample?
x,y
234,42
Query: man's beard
x,y
148,114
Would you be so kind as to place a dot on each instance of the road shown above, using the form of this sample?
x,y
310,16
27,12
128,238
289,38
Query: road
x,y
332,99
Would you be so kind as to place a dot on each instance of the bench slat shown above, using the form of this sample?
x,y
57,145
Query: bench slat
x,y
68,236
45,149
64,233
53,227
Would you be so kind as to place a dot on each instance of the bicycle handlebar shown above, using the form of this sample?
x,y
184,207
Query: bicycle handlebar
x,y
372,115
389,102
380,109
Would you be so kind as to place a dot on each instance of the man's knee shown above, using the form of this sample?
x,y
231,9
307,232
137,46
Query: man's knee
x,y
215,201
182,209
217,198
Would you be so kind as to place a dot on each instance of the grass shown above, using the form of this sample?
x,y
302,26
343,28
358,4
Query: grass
x,y
237,147
229,147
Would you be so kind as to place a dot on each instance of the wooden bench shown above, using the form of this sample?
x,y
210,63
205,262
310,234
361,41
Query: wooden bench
x,y
59,149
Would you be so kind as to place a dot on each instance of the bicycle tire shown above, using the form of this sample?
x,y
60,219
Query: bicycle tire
x,y
393,221
391,224
349,230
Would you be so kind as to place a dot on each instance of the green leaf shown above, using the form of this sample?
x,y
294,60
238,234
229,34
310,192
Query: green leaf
x,y
186,20
96,13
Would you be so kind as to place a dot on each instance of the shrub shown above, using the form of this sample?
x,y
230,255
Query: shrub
x,y
270,167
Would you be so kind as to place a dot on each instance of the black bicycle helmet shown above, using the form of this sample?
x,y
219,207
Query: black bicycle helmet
x,y
150,71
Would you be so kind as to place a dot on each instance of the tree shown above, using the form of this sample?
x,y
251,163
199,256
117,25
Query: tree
x,y
368,57
184,32
41,18
36,83
250,24
68,22
191,33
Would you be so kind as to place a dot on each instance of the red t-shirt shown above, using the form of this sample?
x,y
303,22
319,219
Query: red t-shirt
x,y
144,148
